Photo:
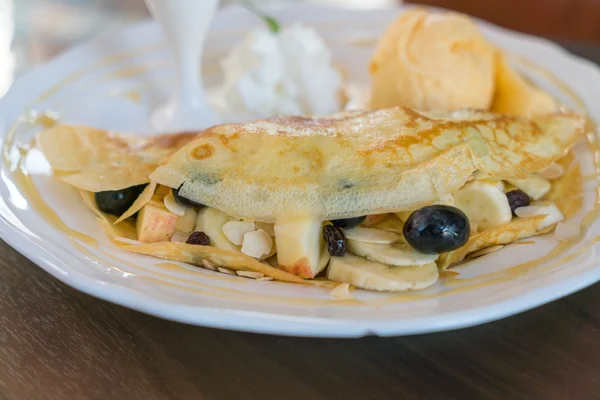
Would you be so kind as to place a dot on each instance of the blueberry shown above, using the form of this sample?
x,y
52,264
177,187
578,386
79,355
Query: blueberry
x,y
183,201
517,198
116,202
437,229
348,223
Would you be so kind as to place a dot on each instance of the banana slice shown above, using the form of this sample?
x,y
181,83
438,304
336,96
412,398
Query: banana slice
x,y
376,276
391,224
187,222
210,221
401,255
535,186
484,204
550,210
553,171
370,235
323,259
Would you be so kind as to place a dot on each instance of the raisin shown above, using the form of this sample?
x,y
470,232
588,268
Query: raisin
x,y
336,241
200,238
517,198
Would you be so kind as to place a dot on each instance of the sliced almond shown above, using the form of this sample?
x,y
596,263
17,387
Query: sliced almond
x,y
225,271
173,206
342,292
250,274
208,265
567,231
266,278
535,186
257,243
553,171
550,210
370,235
234,231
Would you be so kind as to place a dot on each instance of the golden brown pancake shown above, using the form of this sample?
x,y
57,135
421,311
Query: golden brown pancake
x,y
359,163
97,160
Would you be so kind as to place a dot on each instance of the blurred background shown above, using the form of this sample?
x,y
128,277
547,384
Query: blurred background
x,y
32,31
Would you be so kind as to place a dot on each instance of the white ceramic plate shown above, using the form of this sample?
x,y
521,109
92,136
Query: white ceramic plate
x,y
115,80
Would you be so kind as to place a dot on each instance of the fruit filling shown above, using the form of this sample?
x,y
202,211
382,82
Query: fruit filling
x,y
386,252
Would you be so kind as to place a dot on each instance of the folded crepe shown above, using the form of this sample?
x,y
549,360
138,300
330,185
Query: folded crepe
x,y
359,163
97,160
287,176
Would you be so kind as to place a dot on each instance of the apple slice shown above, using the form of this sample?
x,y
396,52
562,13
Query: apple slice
x,y
155,223
299,244
210,221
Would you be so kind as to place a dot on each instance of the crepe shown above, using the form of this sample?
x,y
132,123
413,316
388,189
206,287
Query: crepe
x,y
516,229
97,160
359,163
516,96
299,173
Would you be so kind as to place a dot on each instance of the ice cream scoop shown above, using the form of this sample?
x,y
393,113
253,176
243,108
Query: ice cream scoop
x,y
434,62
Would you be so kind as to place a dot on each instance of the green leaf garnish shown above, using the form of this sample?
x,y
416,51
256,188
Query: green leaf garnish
x,y
271,22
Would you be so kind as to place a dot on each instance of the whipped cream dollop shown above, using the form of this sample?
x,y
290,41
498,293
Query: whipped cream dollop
x,y
286,73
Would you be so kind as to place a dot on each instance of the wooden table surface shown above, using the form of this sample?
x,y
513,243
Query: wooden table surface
x,y
57,343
